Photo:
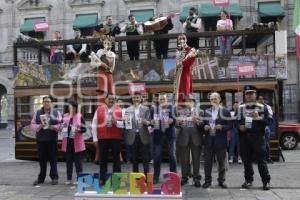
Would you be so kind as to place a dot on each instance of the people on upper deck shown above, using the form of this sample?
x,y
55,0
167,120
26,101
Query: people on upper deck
x,y
133,28
225,24
192,24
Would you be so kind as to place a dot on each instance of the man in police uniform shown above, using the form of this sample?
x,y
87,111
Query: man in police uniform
x,y
253,118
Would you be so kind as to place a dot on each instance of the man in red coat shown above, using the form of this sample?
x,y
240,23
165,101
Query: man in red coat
x,y
186,57
107,131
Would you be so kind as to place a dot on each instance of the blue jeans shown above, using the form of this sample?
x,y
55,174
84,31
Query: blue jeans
x,y
225,46
58,58
157,148
267,138
234,143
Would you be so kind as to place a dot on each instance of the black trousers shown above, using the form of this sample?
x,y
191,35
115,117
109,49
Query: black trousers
x,y
193,42
161,48
104,146
253,146
47,151
133,49
73,157
184,153
209,154
83,57
144,150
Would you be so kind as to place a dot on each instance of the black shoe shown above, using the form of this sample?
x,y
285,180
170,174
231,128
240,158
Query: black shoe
x,y
247,185
223,185
197,183
266,186
155,180
184,181
54,181
206,185
37,182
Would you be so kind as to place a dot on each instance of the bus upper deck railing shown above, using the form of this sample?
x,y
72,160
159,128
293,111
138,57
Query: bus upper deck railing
x,y
209,36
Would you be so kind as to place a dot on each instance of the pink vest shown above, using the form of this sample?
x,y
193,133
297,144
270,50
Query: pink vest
x,y
78,138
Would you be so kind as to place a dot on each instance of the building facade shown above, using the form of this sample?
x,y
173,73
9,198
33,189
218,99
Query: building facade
x,y
63,15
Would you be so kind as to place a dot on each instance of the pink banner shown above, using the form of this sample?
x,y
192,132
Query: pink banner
x,y
136,87
246,69
221,2
41,26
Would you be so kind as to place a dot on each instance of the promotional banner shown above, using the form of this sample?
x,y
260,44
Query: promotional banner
x,y
136,87
41,26
221,2
246,69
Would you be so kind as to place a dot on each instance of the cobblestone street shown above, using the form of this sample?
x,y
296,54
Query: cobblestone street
x,y
17,177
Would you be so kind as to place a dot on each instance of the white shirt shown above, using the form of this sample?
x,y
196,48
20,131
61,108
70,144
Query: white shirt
x,y
270,111
94,126
139,28
196,25
224,24
214,113
137,111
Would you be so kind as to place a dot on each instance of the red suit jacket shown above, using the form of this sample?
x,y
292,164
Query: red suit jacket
x,y
186,80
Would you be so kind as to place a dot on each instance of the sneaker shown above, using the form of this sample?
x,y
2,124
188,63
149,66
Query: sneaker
x,y
266,186
37,182
68,182
230,161
206,185
54,181
151,162
75,183
247,185
155,180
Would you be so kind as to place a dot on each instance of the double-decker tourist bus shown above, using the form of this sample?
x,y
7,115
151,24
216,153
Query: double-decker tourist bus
x,y
254,61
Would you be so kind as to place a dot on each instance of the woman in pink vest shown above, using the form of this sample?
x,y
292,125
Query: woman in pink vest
x,y
73,143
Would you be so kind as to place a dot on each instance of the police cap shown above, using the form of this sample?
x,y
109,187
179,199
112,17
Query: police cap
x,y
249,88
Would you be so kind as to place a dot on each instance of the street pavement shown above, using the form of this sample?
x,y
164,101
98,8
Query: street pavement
x,y
17,176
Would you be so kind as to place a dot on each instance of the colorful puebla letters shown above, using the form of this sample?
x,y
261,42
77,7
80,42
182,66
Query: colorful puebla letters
x,y
130,183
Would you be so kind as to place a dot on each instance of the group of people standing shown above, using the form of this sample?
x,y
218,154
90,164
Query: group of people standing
x,y
185,126
133,28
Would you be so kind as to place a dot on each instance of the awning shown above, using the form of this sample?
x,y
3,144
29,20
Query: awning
x,y
85,21
270,9
28,25
185,12
208,10
142,15
234,10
